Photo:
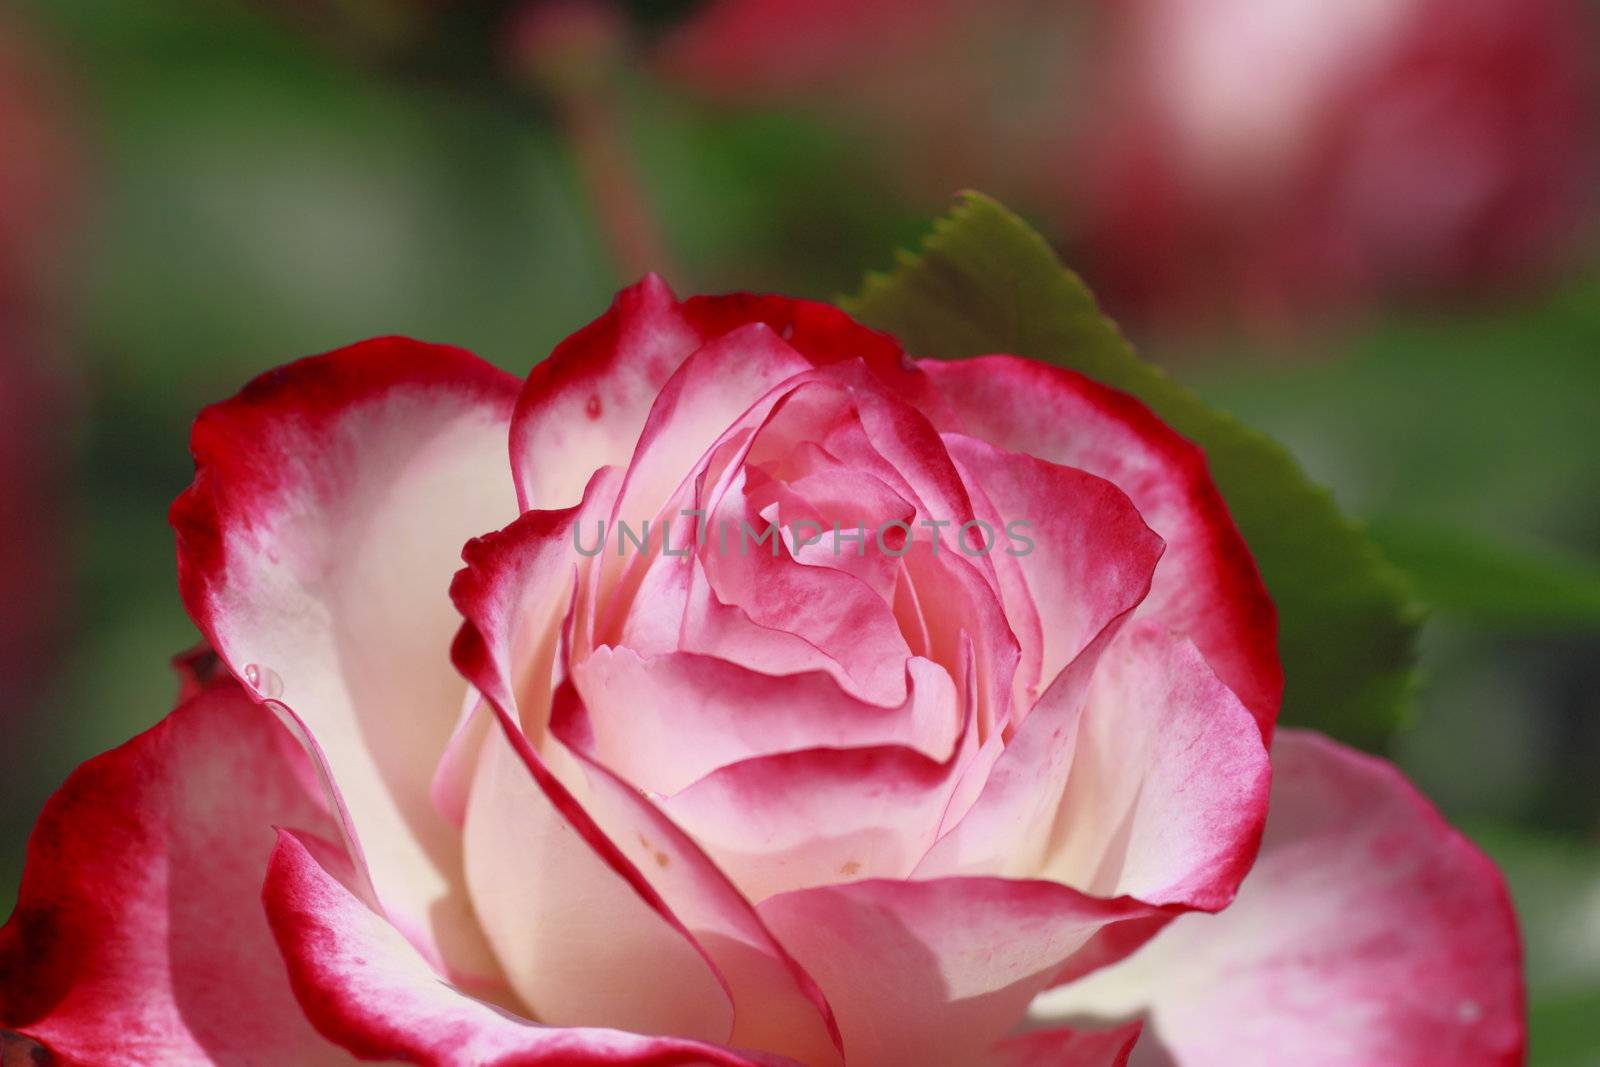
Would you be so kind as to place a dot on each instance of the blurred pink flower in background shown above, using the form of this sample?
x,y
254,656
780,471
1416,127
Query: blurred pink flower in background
x,y
1274,160
1227,159
38,168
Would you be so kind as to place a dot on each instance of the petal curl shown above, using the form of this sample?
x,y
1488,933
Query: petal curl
x,y
1086,547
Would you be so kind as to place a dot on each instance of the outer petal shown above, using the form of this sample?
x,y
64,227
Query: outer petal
x,y
1368,932
1206,587
580,943
1138,777
315,547
585,406
366,987
138,936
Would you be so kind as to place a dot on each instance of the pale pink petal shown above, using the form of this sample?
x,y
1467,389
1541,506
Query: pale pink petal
x,y
770,612
1167,793
366,987
1367,932
585,406
1005,823
663,722
1080,545
1206,586
963,620
582,408
710,392
581,937
935,972
330,501
577,942
822,815
775,1005
138,936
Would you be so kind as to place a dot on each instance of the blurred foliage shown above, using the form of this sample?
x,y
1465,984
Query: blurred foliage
x,y
1493,585
259,196
984,282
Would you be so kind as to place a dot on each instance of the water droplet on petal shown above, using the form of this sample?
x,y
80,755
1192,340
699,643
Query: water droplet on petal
x,y
1468,1011
592,408
264,680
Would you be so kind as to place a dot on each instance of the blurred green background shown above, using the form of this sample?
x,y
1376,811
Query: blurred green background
x,y
260,186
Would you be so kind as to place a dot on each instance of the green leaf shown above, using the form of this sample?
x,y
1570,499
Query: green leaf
x,y
984,282
1474,579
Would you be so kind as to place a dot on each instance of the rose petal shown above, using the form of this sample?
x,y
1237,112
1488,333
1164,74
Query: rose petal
x,y
1167,794
935,972
577,942
582,408
776,1006
1005,825
1206,586
585,406
582,938
138,936
772,613
330,501
1367,932
822,815
710,392
1089,546
365,986
664,722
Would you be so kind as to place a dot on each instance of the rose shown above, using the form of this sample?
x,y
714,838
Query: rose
x,y
730,807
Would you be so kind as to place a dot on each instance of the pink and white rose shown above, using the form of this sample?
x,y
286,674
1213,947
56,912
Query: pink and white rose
x,y
914,804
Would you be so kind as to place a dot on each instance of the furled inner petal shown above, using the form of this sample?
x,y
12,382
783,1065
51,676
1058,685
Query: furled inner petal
x,y
667,720
1206,586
